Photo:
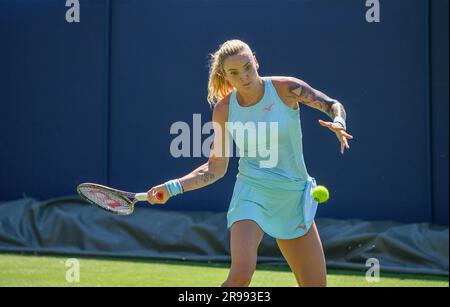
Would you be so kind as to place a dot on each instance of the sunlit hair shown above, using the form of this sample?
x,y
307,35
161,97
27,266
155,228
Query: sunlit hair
x,y
218,86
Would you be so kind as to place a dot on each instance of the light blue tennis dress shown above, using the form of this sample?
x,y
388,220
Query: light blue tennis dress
x,y
271,189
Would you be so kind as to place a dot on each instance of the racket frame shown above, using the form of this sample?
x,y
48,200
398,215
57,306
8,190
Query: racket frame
x,y
127,196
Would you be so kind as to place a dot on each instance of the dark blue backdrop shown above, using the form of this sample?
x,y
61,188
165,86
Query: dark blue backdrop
x,y
94,101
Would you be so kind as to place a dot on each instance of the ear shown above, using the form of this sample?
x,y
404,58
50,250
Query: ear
x,y
256,60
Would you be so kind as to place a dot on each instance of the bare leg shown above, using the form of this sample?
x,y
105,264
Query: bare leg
x,y
246,236
306,258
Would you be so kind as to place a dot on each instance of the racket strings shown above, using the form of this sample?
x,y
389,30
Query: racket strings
x,y
105,199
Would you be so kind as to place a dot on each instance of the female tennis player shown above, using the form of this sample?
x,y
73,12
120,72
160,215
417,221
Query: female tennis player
x,y
276,199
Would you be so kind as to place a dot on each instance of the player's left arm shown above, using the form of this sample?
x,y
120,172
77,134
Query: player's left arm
x,y
313,98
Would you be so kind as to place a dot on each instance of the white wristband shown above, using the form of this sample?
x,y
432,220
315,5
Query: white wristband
x,y
174,187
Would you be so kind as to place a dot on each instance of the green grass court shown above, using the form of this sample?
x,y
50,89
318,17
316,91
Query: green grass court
x,y
28,270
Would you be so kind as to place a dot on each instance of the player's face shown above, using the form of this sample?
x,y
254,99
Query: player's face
x,y
241,70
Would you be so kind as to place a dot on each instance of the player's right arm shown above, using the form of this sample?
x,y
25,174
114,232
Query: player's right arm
x,y
217,164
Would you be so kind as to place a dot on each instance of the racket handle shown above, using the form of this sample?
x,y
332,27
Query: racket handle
x,y
141,196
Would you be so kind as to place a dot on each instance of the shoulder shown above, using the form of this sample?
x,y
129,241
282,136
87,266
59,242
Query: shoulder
x,y
220,111
285,87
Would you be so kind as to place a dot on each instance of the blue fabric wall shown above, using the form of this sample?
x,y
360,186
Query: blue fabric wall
x,y
439,108
94,101
53,107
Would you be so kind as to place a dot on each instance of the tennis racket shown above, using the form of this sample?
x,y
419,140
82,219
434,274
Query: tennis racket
x,y
112,200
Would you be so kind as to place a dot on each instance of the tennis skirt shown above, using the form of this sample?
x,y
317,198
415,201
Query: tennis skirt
x,y
282,214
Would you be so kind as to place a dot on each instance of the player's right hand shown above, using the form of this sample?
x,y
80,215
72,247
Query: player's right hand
x,y
158,195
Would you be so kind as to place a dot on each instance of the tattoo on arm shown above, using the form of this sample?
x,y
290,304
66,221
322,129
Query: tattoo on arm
x,y
322,102
206,177
198,178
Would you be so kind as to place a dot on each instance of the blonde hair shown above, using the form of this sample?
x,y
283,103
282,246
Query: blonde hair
x,y
218,86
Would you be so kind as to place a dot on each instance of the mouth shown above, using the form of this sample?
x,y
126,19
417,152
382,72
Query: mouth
x,y
246,84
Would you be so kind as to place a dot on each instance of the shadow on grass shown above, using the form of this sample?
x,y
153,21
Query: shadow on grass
x,y
275,267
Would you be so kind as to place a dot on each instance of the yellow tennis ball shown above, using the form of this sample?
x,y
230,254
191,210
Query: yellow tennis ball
x,y
320,194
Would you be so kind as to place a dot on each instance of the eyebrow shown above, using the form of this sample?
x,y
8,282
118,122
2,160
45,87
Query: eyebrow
x,y
230,69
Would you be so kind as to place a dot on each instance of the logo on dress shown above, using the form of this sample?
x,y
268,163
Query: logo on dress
x,y
303,227
269,108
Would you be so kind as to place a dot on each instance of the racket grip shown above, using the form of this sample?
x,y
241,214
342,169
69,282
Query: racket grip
x,y
141,196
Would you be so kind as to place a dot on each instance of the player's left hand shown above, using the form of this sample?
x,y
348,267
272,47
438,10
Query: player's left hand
x,y
340,132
